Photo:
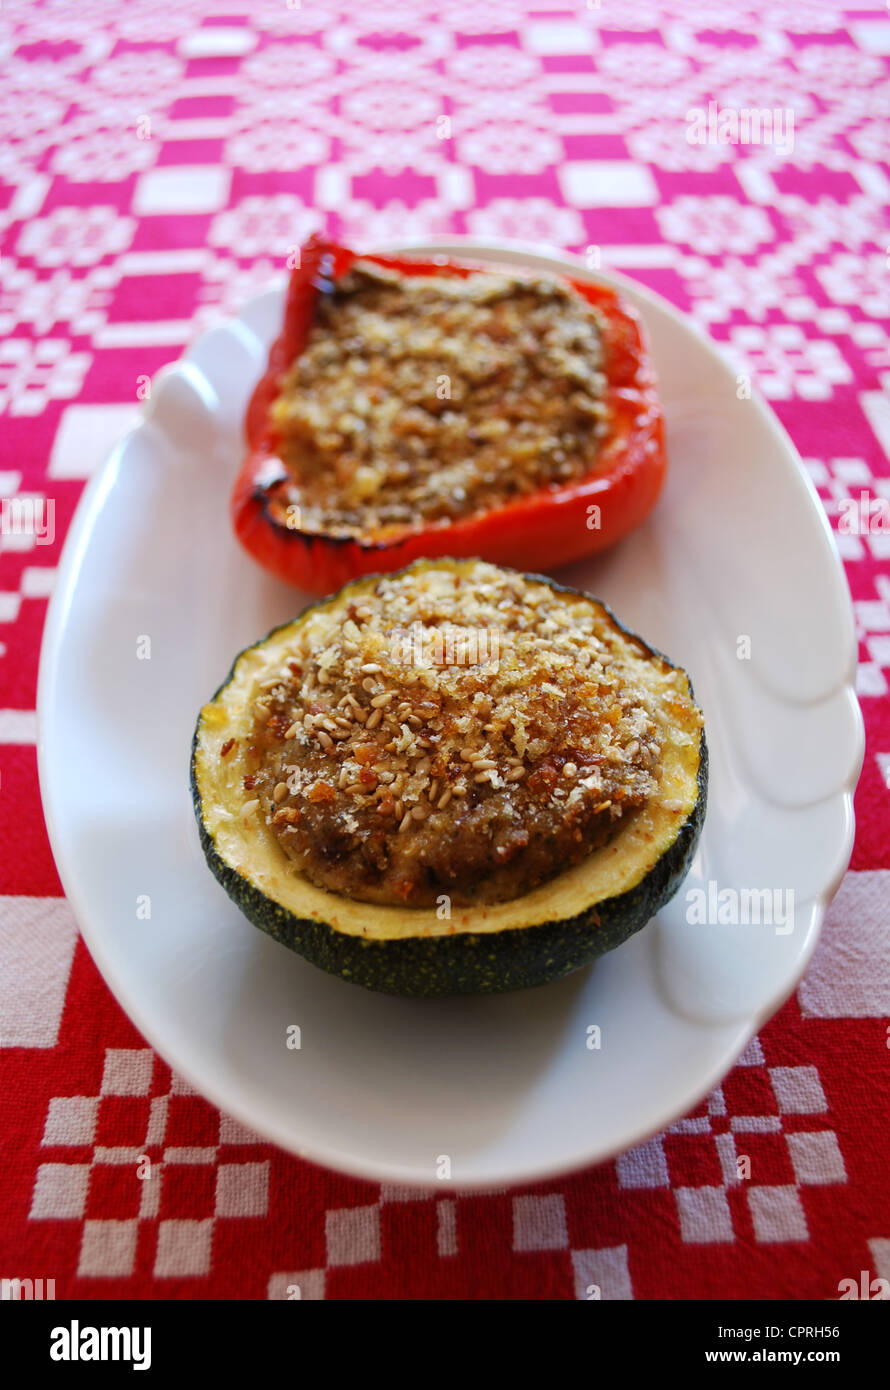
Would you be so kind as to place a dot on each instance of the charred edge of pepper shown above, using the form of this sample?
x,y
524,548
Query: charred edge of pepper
x,y
260,494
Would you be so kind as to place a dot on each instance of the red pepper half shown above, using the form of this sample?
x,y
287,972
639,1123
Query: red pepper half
x,y
537,531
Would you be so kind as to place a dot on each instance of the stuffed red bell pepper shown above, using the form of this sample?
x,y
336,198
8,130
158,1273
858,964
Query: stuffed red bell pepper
x,y
425,408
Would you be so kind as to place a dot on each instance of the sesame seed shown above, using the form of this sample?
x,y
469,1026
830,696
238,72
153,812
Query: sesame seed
x,y
494,722
249,807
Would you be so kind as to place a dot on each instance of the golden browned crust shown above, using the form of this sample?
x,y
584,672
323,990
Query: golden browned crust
x,y
423,399
464,734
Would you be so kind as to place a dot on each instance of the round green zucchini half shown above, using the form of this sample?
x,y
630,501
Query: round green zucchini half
x,y
534,939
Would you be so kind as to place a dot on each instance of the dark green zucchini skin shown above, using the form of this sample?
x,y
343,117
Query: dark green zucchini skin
x,y
464,963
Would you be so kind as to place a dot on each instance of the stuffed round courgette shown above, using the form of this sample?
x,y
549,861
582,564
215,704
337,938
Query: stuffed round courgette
x,y
455,779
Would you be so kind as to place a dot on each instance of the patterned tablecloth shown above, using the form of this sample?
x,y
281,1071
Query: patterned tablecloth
x,y
157,163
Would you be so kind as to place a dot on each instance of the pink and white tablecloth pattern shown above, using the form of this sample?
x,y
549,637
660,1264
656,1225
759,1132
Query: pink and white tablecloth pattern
x,y
156,165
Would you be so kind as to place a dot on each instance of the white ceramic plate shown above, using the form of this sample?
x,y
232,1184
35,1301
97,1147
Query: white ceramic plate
x,y
506,1087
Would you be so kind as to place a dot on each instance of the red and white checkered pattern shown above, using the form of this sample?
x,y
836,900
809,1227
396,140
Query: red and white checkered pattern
x,y
155,170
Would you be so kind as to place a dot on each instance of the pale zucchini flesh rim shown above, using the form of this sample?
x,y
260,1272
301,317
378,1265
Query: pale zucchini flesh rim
x,y
249,847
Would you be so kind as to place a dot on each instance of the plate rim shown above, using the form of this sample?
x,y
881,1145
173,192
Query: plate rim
x,y
78,535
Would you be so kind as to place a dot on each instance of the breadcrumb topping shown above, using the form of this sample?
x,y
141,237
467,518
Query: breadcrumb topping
x,y
420,399
460,731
